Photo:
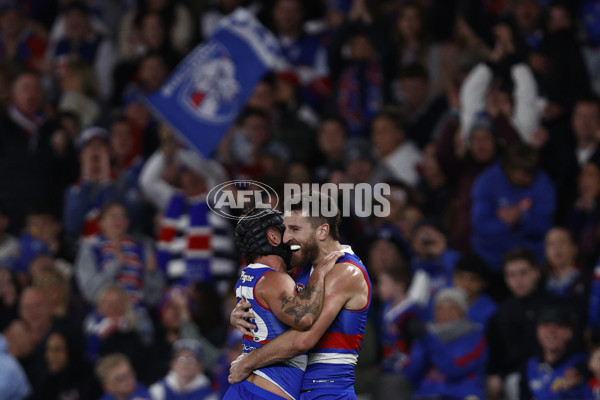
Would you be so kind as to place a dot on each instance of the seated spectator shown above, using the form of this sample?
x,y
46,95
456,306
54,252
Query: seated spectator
x,y
82,42
9,297
127,162
20,340
233,349
302,51
358,74
332,136
186,216
546,375
396,151
96,187
170,28
19,44
114,257
513,205
470,275
463,163
13,381
115,325
400,325
214,14
434,193
592,388
519,106
511,332
564,278
66,375
186,378
118,379
584,218
67,310
79,91
423,107
176,312
449,361
31,244
432,256
23,123
9,246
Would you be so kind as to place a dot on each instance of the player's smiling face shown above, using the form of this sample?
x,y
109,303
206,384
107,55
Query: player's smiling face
x,y
300,236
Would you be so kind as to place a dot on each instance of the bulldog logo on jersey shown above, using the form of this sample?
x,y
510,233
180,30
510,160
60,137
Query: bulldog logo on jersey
x,y
213,90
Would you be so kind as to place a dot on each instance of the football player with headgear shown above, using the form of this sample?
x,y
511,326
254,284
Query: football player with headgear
x,y
276,303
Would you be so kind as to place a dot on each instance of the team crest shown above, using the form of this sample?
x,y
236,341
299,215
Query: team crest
x,y
212,93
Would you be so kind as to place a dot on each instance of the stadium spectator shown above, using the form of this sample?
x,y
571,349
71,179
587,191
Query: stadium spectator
x,y
95,188
396,151
400,328
195,177
511,332
584,217
22,125
303,53
513,205
176,311
114,257
82,42
423,107
552,371
432,256
9,246
332,135
463,163
115,325
13,381
19,43
470,275
592,385
449,361
186,378
119,380
433,192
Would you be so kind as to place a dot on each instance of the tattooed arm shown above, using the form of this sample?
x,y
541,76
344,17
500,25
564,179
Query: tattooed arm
x,y
299,310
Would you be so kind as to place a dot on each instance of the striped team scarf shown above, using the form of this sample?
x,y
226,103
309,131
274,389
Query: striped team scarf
x,y
185,236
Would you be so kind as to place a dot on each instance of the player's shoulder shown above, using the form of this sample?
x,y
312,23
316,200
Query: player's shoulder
x,y
347,273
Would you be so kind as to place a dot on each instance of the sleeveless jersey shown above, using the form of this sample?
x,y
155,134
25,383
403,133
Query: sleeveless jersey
x,y
288,374
331,362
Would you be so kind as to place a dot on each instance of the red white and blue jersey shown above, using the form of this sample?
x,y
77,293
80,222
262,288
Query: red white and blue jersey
x,y
286,375
331,362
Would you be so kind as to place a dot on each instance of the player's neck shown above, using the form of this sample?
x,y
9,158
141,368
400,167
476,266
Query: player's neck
x,y
326,248
272,261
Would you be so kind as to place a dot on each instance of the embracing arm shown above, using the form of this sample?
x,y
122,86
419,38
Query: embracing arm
x,y
297,309
343,284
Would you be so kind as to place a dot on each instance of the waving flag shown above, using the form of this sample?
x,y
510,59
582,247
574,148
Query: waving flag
x,y
206,92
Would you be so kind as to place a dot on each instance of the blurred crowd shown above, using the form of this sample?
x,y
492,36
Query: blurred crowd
x,y
116,278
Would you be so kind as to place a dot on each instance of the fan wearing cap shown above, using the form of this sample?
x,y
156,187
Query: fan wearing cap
x,y
186,379
95,188
449,361
553,372
276,303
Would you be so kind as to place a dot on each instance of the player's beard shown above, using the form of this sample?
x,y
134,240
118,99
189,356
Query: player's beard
x,y
307,254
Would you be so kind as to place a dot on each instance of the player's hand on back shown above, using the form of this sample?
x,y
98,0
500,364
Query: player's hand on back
x,y
329,261
238,371
240,317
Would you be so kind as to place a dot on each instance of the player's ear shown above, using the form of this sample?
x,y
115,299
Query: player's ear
x,y
273,236
323,232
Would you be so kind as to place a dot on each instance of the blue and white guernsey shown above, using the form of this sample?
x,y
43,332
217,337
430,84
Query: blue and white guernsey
x,y
331,362
286,375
